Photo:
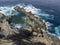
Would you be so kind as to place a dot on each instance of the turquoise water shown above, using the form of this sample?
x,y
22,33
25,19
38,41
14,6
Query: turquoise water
x,y
52,26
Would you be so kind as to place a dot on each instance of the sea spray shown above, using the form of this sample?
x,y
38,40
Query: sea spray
x,y
30,8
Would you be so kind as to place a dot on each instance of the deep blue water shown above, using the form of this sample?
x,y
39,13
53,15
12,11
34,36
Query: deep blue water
x,y
45,5
51,7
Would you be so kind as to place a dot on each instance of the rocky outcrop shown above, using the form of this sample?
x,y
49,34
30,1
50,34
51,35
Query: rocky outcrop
x,y
31,16
47,39
24,35
40,25
5,28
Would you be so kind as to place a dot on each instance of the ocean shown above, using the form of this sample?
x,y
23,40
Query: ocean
x,y
48,11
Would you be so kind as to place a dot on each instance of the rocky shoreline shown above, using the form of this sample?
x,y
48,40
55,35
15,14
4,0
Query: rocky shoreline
x,y
32,35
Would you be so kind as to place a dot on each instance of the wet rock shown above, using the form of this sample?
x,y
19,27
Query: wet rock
x,y
45,39
6,30
31,16
26,32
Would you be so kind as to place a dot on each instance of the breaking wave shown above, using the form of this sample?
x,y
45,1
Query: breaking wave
x,y
7,10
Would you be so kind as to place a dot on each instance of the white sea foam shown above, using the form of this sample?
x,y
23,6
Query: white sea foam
x,y
5,10
38,12
32,9
57,30
29,8
17,26
48,25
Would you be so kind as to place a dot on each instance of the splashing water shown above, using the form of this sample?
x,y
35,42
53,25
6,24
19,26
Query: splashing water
x,y
38,12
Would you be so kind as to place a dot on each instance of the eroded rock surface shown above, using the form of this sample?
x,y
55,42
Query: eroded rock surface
x,y
25,36
5,28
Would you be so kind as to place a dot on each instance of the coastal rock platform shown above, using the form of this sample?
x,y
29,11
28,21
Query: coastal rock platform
x,y
33,35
